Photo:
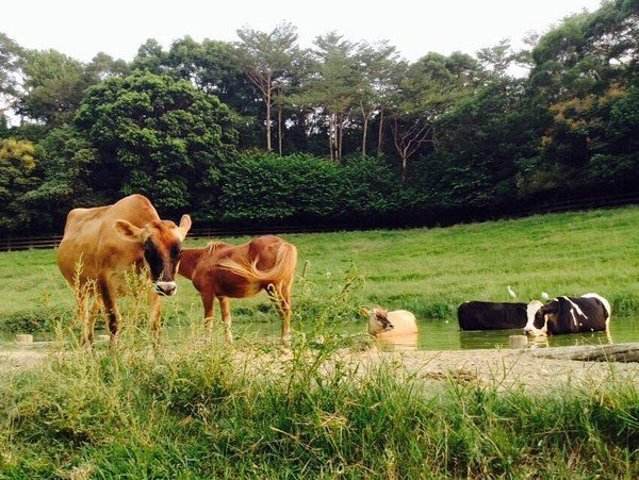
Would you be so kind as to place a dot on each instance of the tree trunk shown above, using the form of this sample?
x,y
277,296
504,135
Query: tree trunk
x,y
380,134
279,127
330,139
364,134
269,91
365,116
331,135
404,163
340,136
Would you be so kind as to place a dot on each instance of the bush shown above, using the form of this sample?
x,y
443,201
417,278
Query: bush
x,y
267,188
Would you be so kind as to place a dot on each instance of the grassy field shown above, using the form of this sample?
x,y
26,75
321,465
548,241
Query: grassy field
x,y
194,410
427,271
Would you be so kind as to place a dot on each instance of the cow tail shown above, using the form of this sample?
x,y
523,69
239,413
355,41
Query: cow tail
x,y
284,267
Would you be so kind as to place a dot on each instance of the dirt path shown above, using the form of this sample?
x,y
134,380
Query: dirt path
x,y
504,369
13,360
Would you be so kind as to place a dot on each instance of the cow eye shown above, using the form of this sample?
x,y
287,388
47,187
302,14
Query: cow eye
x,y
176,252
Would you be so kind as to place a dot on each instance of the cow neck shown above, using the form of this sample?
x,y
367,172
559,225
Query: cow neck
x,y
189,260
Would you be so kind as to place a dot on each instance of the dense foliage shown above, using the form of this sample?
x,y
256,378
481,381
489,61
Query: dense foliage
x,y
196,127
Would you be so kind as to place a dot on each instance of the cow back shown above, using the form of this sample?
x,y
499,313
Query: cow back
x,y
90,239
478,315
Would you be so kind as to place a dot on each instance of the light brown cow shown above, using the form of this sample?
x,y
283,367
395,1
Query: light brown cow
x,y
221,270
103,243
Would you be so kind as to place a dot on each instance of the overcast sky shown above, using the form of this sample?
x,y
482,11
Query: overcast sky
x,y
118,27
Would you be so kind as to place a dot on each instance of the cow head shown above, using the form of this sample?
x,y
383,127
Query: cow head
x,y
161,243
378,321
543,318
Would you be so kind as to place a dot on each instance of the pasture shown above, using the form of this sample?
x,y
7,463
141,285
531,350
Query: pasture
x,y
426,271
194,409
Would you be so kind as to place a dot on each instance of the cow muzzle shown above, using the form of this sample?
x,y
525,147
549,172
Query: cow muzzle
x,y
534,332
166,289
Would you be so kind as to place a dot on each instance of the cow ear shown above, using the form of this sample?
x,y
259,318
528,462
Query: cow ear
x,y
185,226
365,311
129,231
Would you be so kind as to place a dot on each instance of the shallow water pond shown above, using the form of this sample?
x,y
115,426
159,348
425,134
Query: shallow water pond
x,y
433,335
445,335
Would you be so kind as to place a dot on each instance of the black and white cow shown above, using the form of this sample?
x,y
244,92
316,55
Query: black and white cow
x,y
588,313
496,316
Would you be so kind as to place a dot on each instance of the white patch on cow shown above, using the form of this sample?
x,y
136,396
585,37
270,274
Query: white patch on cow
x,y
531,310
574,319
576,307
604,302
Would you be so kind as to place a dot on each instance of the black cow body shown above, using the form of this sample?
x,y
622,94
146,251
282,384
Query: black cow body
x,y
491,315
588,313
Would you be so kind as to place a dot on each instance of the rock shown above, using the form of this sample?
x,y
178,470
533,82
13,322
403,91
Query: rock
x,y
24,339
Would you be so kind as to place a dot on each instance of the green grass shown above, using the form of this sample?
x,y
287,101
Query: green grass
x,y
202,412
427,271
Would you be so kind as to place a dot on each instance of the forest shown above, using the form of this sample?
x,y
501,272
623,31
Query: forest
x,y
261,131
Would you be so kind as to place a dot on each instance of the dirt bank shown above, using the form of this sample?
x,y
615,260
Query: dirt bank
x,y
504,369
12,360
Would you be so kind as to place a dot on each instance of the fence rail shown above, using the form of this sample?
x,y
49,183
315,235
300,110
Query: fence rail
x,y
52,241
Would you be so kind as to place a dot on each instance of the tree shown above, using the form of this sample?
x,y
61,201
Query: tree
x,y
496,60
427,89
333,88
10,59
583,69
53,86
266,58
65,162
151,57
159,136
17,177
216,68
103,66
485,142
377,66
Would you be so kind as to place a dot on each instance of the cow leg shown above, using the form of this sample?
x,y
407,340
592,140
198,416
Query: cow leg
x,y
225,306
88,328
155,318
284,300
209,312
111,310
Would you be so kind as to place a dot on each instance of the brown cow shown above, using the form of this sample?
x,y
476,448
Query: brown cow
x,y
226,271
103,243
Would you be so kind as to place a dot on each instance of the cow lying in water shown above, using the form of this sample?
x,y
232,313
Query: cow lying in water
x,y
495,315
588,313
382,323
